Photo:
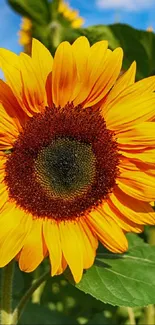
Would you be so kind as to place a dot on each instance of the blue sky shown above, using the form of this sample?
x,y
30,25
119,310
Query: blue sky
x,y
137,13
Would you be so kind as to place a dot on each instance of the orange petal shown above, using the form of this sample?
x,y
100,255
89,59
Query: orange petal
x,y
10,64
64,75
122,220
93,239
137,184
72,248
62,267
29,92
3,197
101,71
8,130
95,57
52,240
107,231
11,106
10,116
3,188
142,134
104,75
146,155
34,249
33,89
137,211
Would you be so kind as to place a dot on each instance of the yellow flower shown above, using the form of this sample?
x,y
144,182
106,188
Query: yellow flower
x,y
25,33
25,37
150,29
77,147
70,14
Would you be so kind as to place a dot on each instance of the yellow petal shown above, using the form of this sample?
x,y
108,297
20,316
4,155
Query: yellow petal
x,y
144,86
34,94
146,155
34,250
64,75
122,220
107,231
12,107
81,49
8,130
125,80
142,134
127,111
62,266
4,200
43,62
104,76
29,92
89,252
42,59
14,228
137,184
137,211
71,246
10,64
102,68
52,240
125,86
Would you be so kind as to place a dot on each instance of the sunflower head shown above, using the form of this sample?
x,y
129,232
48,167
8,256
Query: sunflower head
x,y
77,155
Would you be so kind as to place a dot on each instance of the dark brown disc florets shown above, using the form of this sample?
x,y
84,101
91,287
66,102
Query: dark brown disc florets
x,y
63,164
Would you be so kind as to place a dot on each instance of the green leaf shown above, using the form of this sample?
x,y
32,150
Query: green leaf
x,y
100,319
137,45
123,280
38,315
37,10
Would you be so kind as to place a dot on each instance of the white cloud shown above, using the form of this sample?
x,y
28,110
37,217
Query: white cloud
x,y
127,5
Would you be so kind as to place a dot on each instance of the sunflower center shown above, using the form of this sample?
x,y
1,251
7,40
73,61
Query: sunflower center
x,y
63,164
66,168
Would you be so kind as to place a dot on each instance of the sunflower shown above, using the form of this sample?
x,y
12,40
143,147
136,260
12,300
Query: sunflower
x,y
65,12
70,14
25,34
77,147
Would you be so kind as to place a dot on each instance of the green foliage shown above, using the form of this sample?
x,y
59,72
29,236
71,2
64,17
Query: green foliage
x,y
51,28
120,280
37,11
36,315
123,280
137,45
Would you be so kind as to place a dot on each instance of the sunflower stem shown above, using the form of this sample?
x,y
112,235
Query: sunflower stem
x,y
131,314
6,294
56,29
37,293
24,300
